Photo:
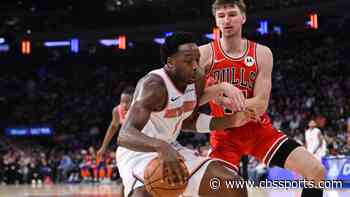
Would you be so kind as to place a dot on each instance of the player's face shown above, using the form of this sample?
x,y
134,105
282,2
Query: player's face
x,y
186,61
229,19
125,101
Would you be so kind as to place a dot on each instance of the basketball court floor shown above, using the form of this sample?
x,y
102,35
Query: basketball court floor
x,y
113,190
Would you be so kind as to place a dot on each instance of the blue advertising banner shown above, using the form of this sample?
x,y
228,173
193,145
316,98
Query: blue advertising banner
x,y
337,168
29,131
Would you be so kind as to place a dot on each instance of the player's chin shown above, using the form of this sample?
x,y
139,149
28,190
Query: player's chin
x,y
228,33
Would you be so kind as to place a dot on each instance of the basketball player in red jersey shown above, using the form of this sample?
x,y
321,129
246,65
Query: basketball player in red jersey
x,y
118,117
248,66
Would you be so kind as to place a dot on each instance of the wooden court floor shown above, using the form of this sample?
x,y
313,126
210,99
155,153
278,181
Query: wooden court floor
x,y
114,190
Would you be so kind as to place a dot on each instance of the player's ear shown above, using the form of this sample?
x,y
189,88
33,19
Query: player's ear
x,y
244,18
170,62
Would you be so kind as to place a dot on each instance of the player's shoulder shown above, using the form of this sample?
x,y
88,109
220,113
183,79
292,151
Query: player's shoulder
x,y
206,56
152,80
115,109
264,57
205,51
205,48
263,49
152,86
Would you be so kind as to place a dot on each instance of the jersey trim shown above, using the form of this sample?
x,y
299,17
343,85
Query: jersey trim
x,y
247,43
171,82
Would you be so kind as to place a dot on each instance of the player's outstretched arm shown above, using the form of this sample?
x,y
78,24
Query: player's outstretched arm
x,y
111,131
262,88
204,123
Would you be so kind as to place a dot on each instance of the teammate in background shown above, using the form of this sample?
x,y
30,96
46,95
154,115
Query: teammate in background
x,y
314,141
165,101
248,66
118,117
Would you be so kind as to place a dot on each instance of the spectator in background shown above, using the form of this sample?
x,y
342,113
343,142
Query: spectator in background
x,y
314,141
65,167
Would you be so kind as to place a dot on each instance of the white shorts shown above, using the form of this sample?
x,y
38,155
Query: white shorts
x,y
132,165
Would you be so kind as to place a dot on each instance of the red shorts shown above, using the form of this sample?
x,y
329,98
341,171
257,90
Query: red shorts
x,y
260,140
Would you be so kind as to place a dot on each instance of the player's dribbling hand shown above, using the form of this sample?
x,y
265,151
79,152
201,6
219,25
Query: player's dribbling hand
x,y
172,171
233,98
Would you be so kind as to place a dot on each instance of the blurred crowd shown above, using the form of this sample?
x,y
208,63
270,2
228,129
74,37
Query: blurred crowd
x,y
76,96
30,16
28,163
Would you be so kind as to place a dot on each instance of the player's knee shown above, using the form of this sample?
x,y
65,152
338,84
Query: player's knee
x,y
318,173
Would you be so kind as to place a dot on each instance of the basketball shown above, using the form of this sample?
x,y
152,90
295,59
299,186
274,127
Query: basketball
x,y
154,184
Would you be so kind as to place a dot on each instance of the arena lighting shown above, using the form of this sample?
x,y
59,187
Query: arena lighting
x,y
26,47
74,45
4,47
122,42
162,40
263,29
57,43
159,40
167,34
314,21
216,33
277,30
210,36
2,40
109,42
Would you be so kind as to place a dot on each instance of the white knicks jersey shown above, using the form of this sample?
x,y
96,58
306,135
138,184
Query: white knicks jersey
x,y
166,124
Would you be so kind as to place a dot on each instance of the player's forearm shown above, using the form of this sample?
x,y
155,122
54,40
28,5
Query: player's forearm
x,y
259,104
236,120
218,123
133,139
211,93
112,129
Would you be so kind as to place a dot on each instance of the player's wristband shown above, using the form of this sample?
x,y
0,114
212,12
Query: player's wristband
x,y
203,123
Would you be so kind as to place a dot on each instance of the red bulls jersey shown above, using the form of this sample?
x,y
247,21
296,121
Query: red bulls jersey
x,y
241,71
122,114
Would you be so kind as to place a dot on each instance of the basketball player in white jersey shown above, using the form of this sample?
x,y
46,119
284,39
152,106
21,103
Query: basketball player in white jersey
x,y
314,141
164,102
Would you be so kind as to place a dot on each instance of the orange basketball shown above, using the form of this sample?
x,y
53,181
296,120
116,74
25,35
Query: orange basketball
x,y
154,184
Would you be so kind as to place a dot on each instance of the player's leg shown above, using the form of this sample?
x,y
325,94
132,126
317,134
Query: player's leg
x,y
303,162
306,164
213,181
276,149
